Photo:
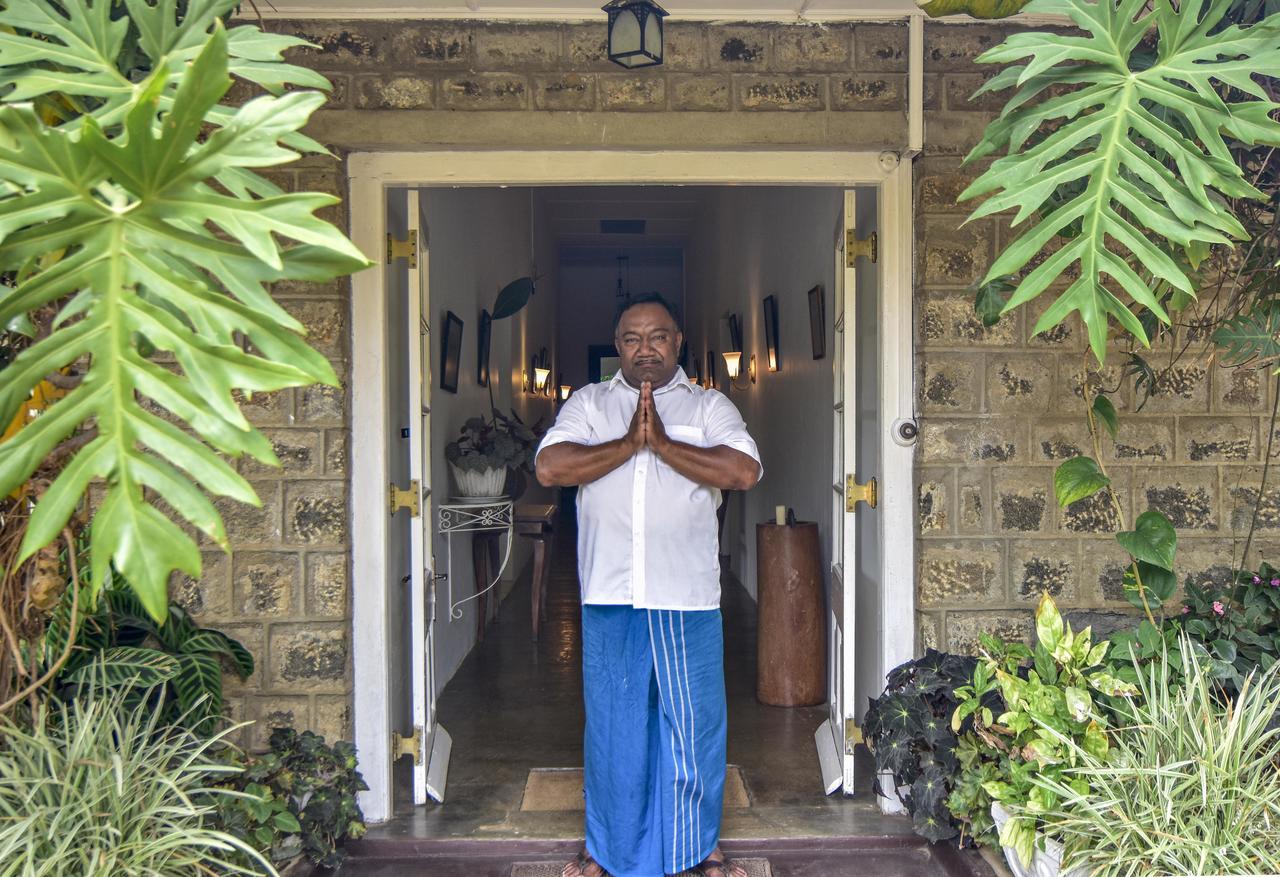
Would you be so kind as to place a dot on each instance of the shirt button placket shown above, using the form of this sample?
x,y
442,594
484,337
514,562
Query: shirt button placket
x,y
639,587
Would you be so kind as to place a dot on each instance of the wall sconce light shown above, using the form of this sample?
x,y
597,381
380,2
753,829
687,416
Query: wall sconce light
x,y
733,366
565,390
635,32
541,372
540,376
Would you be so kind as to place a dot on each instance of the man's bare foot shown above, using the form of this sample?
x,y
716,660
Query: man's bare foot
x,y
716,865
585,866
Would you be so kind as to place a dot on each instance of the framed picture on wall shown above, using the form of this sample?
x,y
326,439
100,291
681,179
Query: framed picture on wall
x,y
450,352
602,362
735,332
695,372
482,366
771,332
817,322
711,369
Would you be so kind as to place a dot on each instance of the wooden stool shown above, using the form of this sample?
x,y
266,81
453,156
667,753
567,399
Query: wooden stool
x,y
537,523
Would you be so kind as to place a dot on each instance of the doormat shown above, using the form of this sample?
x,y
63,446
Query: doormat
x,y
753,867
560,788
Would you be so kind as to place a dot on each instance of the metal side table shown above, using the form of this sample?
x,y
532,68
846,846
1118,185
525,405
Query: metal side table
x,y
487,519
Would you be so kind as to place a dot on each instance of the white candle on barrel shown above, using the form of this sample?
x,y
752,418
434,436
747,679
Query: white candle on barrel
x,y
780,514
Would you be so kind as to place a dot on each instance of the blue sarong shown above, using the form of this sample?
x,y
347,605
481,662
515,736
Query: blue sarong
x,y
653,682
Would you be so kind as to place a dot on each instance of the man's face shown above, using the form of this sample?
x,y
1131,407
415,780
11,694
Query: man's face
x,y
648,344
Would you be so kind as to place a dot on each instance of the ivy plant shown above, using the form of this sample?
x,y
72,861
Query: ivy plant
x,y
1048,694
1117,156
142,222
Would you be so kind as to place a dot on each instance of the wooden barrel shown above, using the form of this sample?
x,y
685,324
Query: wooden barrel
x,y
791,642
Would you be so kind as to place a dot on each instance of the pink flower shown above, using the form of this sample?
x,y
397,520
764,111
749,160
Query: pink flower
x,y
1258,581
1217,608
1186,609
1275,583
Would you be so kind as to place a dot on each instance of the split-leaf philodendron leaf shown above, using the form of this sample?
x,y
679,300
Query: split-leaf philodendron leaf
x,y
1120,156
145,224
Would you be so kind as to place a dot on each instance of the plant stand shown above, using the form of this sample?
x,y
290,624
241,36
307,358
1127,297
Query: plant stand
x,y
488,518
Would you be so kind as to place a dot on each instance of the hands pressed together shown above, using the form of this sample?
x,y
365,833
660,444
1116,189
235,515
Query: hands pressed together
x,y
646,428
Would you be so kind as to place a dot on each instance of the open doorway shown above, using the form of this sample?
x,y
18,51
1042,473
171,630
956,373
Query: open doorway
x,y
512,705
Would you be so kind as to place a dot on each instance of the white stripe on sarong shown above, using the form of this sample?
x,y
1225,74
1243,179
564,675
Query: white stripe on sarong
x,y
675,783
693,749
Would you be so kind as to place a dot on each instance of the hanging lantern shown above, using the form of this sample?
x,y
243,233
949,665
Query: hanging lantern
x,y
635,32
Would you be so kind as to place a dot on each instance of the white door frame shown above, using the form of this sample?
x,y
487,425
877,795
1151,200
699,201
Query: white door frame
x,y
371,173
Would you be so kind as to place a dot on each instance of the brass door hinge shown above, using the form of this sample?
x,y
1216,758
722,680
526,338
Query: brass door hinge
x,y
406,248
855,493
855,247
852,734
411,745
405,499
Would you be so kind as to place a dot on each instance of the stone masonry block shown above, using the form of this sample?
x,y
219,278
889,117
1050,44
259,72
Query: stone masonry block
x,y
484,91
949,383
335,452
264,409
1037,566
327,584
266,583
963,629
441,45
699,91
781,92
316,513
1103,563
928,631
1141,440
961,572
1217,439
1242,486
1019,384
1069,396
940,183
954,255
934,500
331,717
633,91
516,46
1097,513
247,525
310,657
975,503
867,91
813,47
738,47
1102,623
949,47
1187,495
587,48
947,319
951,132
1065,336
1242,390
394,93
960,93
976,440
880,48
322,405
1203,562
253,638
1183,387
298,450
1060,439
339,45
684,46
564,91
1022,498
209,596
268,711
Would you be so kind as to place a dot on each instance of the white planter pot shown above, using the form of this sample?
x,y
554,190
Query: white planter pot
x,y
481,482
890,797
1047,861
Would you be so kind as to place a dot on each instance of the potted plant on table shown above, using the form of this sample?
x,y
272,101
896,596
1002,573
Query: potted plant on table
x,y
488,451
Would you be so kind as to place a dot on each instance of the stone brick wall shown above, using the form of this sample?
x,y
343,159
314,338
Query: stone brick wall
x,y
998,407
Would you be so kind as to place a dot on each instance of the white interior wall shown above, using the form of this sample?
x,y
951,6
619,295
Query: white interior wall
x,y
479,240
751,242
589,301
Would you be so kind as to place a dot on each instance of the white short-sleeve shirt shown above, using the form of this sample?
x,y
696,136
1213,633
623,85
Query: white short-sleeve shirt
x,y
647,535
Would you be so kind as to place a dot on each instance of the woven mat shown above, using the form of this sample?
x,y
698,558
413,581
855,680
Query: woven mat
x,y
753,867
560,788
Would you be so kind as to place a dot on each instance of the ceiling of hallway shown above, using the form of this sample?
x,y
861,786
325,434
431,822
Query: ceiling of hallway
x,y
668,212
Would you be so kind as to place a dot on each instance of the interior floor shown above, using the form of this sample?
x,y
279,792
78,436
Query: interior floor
x,y
516,704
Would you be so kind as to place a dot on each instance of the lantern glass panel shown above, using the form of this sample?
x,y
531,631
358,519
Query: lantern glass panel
x,y
625,35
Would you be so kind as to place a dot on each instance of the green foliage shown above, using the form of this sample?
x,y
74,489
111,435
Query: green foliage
x,y
1105,412
94,789
513,297
992,296
974,8
908,731
1076,479
1250,338
501,443
1188,785
1152,539
299,798
1119,152
1048,694
176,665
144,222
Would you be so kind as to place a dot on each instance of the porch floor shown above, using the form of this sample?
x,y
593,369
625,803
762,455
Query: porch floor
x,y
516,704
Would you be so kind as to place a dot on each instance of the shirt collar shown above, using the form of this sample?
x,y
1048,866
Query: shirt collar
x,y
679,379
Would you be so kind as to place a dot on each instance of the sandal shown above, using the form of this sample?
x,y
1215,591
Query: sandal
x,y
583,861
725,867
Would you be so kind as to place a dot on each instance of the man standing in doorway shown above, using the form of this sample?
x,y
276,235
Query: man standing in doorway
x,y
651,452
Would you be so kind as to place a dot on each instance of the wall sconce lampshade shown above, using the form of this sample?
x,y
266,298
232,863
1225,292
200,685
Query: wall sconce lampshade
x,y
540,376
635,32
565,390
733,363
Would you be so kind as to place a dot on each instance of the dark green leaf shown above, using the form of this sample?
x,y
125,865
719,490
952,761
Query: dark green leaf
x,y
1105,412
1152,539
991,299
514,296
